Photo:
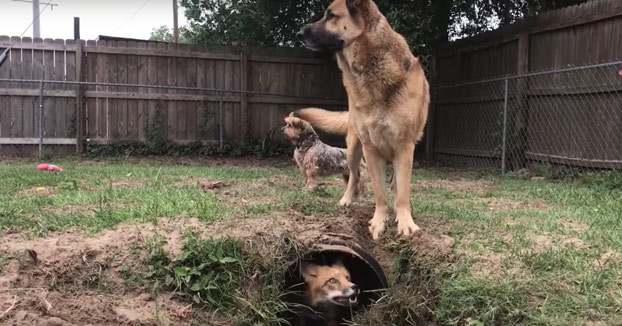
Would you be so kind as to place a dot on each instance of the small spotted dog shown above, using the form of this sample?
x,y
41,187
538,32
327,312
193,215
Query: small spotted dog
x,y
316,159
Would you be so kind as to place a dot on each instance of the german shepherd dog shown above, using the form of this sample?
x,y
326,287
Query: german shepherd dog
x,y
388,98
316,159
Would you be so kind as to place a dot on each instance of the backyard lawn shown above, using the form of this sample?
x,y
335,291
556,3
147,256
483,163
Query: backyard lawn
x,y
119,242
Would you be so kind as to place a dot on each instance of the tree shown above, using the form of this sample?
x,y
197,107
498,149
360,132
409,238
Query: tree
x,y
473,17
424,23
161,34
165,34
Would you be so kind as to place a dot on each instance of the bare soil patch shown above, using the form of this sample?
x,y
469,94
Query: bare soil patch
x,y
39,191
70,278
129,184
458,186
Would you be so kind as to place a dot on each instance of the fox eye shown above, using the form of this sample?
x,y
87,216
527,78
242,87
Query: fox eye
x,y
332,281
330,15
348,278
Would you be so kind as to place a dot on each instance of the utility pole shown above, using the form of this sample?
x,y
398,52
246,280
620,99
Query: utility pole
x,y
76,28
36,12
175,23
36,26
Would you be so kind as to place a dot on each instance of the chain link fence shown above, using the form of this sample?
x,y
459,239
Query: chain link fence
x,y
569,117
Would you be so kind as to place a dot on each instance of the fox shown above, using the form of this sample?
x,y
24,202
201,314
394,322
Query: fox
x,y
329,293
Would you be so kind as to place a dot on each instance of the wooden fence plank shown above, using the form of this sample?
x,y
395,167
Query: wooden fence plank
x,y
5,69
34,141
171,118
154,68
181,108
28,103
142,75
132,106
49,104
121,104
17,110
71,106
162,109
60,104
244,100
191,107
80,104
112,70
201,110
91,104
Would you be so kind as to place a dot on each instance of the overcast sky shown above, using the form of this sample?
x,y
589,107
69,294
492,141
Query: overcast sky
x,y
123,18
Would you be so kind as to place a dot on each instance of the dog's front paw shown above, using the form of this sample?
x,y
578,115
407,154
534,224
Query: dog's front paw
x,y
345,202
406,226
376,225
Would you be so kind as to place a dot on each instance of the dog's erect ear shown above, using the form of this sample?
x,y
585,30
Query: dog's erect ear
x,y
308,271
354,4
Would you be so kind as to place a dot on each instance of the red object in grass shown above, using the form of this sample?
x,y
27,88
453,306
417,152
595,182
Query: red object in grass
x,y
620,72
49,167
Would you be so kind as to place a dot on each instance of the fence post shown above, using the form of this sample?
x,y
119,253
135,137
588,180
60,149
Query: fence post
x,y
41,118
222,120
243,96
519,130
505,128
80,113
429,137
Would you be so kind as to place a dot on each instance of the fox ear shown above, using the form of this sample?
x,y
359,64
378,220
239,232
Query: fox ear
x,y
308,271
338,263
291,115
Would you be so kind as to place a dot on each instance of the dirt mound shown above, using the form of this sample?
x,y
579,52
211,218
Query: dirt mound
x,y
71,278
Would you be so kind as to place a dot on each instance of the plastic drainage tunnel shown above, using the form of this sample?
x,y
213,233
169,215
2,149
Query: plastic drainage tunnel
x,y
365,272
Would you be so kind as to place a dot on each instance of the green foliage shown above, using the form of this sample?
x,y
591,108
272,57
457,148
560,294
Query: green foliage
x,y
161,34
214,272
208,272
165,34
424,23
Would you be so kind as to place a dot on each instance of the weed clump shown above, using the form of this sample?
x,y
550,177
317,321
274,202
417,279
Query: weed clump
x,y
228,276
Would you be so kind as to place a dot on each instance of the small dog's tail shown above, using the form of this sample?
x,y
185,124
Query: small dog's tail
x,y
328,121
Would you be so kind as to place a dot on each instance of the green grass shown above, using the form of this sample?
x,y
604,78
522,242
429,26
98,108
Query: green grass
x,y
551,281
97,197
527,252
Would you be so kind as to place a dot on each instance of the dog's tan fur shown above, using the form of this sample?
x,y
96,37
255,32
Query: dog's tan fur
x,y
315,158
388,97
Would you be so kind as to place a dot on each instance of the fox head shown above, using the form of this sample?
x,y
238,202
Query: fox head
x,y
329,284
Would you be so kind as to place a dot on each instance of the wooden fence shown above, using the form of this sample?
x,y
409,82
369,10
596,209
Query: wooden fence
x,y
575,36
201,93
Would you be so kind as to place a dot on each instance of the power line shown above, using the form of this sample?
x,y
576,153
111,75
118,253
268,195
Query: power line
x,y
133,15
4,54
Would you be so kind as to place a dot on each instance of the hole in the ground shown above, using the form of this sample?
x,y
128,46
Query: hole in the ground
x,y
364,271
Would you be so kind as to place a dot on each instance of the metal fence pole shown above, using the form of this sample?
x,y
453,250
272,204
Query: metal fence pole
x,y
505,127
41,119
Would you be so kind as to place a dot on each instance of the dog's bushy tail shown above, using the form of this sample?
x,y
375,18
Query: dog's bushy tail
x,y
328,121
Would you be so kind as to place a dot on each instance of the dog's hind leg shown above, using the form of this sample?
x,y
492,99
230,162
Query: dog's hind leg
x,y
402,165
354,154
376,165
362,187
346,177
